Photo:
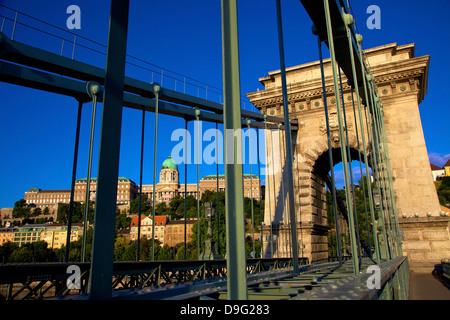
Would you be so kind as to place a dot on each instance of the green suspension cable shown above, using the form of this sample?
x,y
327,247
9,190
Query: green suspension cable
x,y
72,188
330,154
286,218
140,185
377,150
393,222
93,90
274,197
283,198
259,192
289,161
352,185
197,117
251,183
366,162
268,193
185,185
217,187
374,160
156,89
362,176
342,140
391,186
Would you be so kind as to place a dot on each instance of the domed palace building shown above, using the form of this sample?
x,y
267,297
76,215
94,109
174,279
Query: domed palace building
x,y
169,186
169,182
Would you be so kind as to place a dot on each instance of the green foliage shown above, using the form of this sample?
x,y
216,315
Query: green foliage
x,y
249,248
443,191
78,213
145,205
122,221
209,196
124,249
31,252
362,208
20,209
6,250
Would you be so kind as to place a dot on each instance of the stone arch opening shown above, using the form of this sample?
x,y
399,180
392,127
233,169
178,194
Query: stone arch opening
x,y
312,168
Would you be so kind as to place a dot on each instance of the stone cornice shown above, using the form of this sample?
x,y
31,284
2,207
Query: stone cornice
x,y
389,72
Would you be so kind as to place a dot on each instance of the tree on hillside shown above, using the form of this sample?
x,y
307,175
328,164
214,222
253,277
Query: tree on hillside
x,y
443,191
134,204
21,210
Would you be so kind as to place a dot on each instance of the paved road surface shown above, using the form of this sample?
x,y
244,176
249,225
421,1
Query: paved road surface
x,y
426,286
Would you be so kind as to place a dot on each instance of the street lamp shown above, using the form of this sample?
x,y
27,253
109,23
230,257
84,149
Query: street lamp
x,y
376,198
209,253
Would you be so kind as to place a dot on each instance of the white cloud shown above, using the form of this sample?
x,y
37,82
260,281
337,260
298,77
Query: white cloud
x,y
438,159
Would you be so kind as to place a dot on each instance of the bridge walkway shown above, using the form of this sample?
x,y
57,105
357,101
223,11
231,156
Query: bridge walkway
x,y
428,286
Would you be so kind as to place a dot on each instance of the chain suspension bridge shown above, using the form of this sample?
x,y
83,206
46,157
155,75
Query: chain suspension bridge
x,y
285,270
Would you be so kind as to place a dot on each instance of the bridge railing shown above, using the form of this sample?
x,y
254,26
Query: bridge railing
x,y
42,34
45,280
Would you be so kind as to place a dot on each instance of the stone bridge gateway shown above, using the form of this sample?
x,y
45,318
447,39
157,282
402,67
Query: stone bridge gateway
x,y
401,79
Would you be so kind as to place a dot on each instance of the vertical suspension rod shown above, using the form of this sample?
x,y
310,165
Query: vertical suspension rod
x,y
283,191
72,187
366,162
157,89
385,174
391,186
197,117
93,89
217,188
251,183
289,171
274,196
374,160
234,190
342,139
108,164
285,213
352,185
330,153
185,185
259,190
388,178
362,175
377,159
138,254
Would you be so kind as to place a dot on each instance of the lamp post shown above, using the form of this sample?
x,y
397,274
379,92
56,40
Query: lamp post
x,y
376,198
209,252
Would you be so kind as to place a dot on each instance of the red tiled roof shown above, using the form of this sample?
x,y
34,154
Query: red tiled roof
x,y
435,167
160,220
447,164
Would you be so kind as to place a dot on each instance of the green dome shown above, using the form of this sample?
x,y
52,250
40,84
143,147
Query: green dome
x,y
169,164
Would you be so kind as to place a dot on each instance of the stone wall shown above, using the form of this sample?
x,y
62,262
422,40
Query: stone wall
x,y
426,240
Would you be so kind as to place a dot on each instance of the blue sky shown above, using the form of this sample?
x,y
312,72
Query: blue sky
x,y
37,129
